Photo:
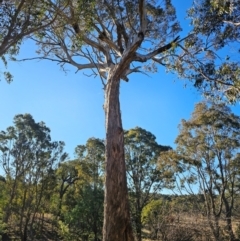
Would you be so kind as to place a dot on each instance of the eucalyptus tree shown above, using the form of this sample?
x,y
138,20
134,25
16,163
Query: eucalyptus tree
x,y
66,175
208,150
83,191
144,178
27,157
106,41
115,39
83,214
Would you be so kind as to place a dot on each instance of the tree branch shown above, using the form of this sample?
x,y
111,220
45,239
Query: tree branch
x,y
10,39
60,60
144,58
103,37
88,41
128,57
100,74
233,23
142,16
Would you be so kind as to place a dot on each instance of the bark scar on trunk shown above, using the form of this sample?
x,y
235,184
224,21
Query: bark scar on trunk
x,y
120,130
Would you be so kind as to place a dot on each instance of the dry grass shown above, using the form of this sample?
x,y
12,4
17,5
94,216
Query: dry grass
x,y
188,227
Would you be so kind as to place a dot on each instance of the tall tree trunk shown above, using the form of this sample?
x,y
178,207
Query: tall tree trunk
x,y
138,223
8,209
229,219
117,224
216,229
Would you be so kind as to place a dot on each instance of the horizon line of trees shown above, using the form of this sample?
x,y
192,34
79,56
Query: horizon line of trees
x,y
44,195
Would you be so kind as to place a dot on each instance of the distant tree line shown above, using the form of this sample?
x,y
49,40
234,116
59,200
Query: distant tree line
x,y
46,196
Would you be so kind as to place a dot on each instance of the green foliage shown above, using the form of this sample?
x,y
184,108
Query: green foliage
x,y
199,57
205,58
159,218
85,218
3,202
64,231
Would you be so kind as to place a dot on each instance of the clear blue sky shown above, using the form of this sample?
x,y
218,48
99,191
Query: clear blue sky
x,y
71,104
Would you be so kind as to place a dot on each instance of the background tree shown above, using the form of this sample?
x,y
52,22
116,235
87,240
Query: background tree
x,y
208,150
28,155
3,201
143,177
82,203
83,216
66,174
91,157
110,38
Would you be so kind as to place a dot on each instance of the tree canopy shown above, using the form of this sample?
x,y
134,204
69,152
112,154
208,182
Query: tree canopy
x,y
140,36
